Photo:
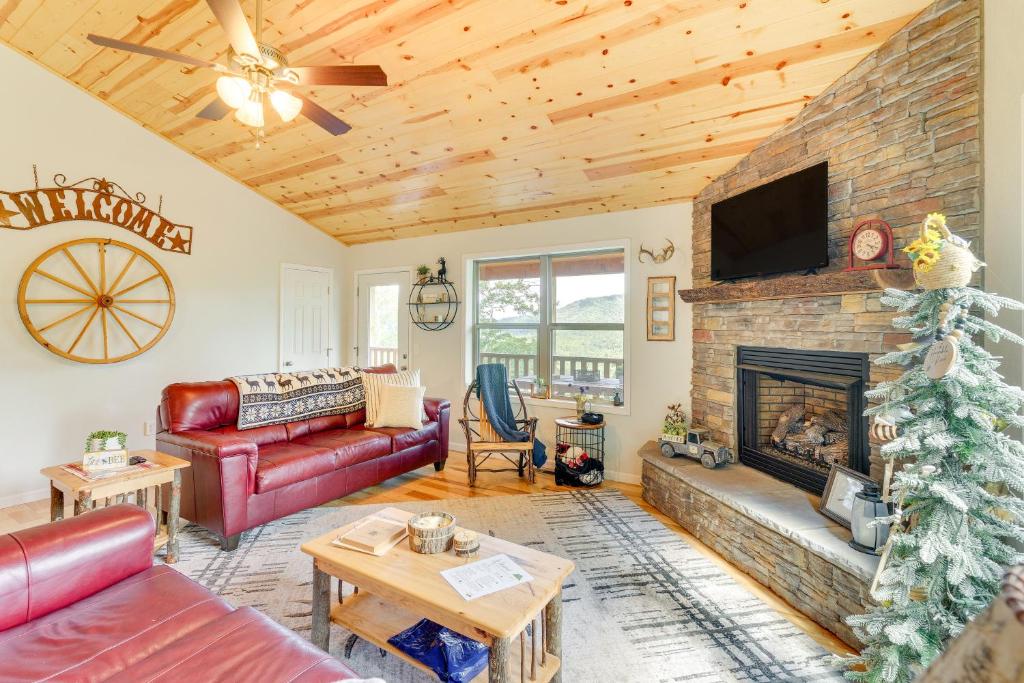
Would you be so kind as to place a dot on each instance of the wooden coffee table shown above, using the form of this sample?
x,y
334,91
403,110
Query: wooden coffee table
x,y
397,590
117,488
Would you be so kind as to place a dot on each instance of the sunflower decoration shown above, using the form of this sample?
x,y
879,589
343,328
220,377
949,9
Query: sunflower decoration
x,y
941,259
926,250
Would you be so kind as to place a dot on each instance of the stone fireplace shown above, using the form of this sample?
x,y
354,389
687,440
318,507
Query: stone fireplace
x,y
902,136
799,412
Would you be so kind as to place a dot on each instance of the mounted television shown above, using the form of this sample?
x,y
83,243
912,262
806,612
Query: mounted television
x,y
775,228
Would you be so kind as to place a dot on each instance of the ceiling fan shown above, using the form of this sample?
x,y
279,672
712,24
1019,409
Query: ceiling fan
x,y
256,73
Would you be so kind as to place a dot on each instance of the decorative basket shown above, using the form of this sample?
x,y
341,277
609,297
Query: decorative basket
x,y
955,264
431,532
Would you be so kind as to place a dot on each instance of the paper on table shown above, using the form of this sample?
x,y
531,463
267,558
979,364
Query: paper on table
x,y
477,579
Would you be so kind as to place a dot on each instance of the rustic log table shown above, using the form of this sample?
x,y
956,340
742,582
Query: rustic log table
x,y
398,589
116,489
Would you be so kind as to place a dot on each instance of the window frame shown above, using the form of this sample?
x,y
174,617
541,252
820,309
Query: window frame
x,y
546,326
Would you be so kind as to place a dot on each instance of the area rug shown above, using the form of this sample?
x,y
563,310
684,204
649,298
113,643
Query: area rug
x,y
641,606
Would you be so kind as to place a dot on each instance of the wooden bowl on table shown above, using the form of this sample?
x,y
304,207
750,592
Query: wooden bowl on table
x,y
431,532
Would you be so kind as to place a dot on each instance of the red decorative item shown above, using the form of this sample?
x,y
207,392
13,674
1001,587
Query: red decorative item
x,y
871,241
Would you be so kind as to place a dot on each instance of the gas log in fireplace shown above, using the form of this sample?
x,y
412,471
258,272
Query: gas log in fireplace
x,y
800,412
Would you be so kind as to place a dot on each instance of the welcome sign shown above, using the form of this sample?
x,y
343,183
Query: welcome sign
x,y
92,199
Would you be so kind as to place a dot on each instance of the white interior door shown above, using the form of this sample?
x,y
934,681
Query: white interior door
x,y
383,326
305,318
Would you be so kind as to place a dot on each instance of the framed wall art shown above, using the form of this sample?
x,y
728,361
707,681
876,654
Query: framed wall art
x,y
837,500
661,308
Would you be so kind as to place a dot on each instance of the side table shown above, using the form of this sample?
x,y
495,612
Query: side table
x,y
587,437
116,488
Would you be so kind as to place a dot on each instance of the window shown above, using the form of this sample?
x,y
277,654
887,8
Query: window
x,y
557,319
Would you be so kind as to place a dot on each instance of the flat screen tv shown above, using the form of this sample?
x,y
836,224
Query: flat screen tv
x,y
779,227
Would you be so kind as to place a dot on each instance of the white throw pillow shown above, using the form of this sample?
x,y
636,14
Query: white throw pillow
x,y
400,406
373,384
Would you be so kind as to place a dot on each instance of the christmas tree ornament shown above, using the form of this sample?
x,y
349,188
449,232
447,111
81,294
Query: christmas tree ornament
x,y
941,259
941,358
955,471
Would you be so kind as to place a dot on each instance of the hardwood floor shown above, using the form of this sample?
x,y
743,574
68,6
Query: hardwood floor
x,y
425,484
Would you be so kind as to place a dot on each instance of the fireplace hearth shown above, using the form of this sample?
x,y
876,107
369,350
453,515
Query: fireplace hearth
x,y
800,412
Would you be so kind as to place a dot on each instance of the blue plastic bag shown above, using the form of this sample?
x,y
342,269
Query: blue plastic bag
x,y
453,657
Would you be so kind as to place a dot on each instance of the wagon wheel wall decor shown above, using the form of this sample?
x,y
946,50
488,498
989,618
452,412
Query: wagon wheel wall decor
x,y
96,300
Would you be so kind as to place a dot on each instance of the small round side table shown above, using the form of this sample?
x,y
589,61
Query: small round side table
x,y
587,437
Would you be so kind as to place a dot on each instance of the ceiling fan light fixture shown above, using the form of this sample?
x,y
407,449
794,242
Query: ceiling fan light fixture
x,y
251,112
233,90
286,105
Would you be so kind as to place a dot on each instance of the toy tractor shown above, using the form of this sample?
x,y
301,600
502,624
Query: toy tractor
x,y
695,445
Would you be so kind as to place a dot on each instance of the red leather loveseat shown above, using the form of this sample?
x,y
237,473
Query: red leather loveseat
x,y
80,600
242,479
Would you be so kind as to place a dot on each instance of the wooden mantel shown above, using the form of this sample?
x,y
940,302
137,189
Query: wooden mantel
x,y
796,286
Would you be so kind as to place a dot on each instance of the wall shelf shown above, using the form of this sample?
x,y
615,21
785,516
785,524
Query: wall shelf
x,y
428,295
796,286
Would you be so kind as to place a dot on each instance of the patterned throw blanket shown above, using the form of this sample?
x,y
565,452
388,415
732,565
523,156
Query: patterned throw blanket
x,y
288,396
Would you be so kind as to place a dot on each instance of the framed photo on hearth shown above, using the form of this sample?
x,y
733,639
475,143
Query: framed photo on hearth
x,y
842,486
661,308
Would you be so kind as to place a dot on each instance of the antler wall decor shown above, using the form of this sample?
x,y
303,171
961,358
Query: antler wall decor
x,y
660,257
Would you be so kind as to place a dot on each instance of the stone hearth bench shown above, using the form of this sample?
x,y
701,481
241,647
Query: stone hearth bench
x,y
769,529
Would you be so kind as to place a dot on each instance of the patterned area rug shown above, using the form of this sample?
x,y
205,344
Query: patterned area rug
x,y
642,605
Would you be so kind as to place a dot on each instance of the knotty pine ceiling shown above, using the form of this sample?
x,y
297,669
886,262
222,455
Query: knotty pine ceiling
x,y
499,111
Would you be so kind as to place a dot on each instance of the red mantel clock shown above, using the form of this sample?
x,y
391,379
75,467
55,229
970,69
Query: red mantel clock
x,y
871,246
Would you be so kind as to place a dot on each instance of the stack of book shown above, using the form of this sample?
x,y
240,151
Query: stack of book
x,y
375,534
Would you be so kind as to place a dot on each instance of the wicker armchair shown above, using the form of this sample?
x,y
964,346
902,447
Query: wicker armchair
x,y
482,442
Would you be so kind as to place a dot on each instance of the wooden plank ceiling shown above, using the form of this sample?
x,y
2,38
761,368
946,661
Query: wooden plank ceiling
x,y
499,111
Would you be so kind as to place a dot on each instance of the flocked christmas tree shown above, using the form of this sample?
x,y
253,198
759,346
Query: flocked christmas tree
x,y
959,475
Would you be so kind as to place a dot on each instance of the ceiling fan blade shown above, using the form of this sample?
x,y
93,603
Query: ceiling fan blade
x,y
215,110
146,50
340,75
323,118
232,19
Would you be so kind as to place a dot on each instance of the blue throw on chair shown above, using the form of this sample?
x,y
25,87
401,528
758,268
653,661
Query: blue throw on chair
x,y
492,390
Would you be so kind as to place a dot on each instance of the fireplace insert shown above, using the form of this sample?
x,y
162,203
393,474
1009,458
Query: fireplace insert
x,y
800,412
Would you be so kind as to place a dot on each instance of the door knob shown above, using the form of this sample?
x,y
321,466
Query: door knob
x,y
288,363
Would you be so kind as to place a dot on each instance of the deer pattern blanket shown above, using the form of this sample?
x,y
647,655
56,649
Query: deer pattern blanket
x,y
288,396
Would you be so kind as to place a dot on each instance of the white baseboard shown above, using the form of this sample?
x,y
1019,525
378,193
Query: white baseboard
x,y
623,477
25,497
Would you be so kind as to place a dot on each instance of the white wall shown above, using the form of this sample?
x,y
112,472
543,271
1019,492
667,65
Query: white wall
x,y
227,290
659,371
1004,168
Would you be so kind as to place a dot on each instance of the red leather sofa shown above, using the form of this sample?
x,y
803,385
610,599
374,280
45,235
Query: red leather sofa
x,y
80,600
242,479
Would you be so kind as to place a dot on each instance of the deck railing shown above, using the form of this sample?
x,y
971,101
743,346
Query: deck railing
x,y
382,356
573,366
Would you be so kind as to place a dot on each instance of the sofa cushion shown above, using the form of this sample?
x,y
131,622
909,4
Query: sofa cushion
x,y
402,437
101,635
280,464
241,646
259,436
351,446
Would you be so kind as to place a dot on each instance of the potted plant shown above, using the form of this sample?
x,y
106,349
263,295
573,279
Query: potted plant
x,y
423,271
104,440
675,421
105,450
